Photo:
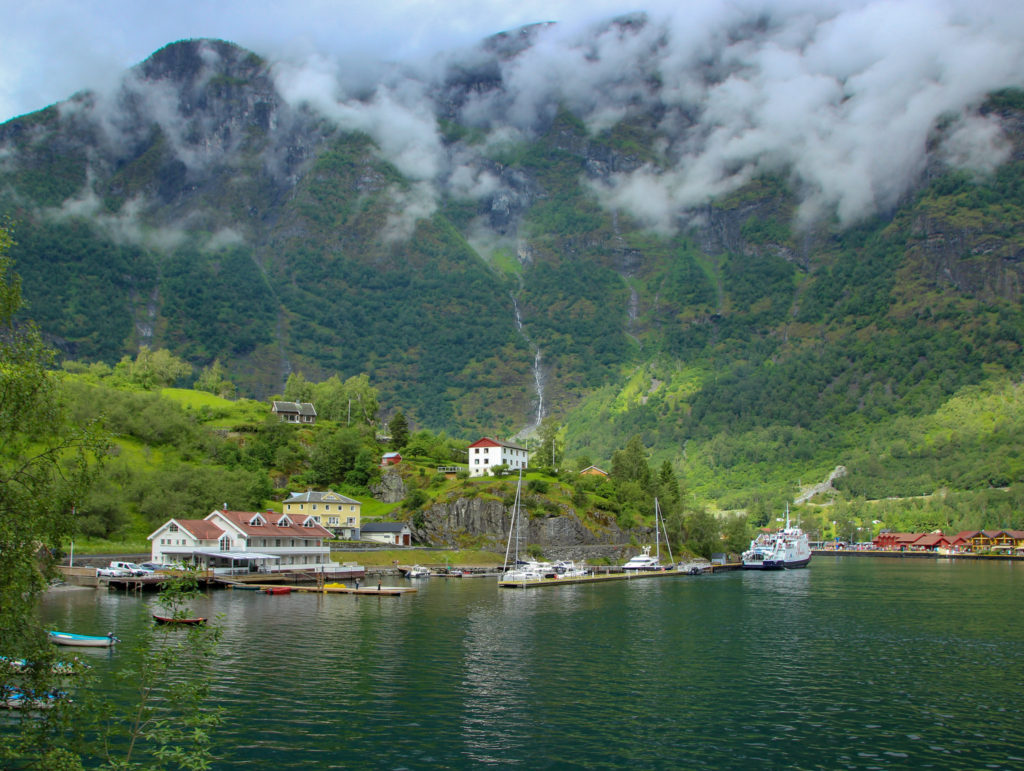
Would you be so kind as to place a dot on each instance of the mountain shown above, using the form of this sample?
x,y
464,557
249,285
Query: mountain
x,y
497,235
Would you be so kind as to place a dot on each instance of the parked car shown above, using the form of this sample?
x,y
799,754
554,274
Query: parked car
x,y
112,572
131,568
155,567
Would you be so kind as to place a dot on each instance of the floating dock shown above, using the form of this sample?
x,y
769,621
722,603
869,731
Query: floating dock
x,y
383,591
597,578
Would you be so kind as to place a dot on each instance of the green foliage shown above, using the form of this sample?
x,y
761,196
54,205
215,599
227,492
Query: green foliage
x,y
46,465
170,725
398,427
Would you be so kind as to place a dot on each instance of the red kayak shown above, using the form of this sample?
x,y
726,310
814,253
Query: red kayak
x,y
278,590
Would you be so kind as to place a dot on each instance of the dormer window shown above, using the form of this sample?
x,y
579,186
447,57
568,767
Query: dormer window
x,y
284,521
257,521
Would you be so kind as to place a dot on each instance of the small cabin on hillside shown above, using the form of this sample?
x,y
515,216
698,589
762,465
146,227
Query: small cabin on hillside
x,y
294,412
390,459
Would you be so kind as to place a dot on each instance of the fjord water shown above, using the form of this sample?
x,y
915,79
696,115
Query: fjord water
x,y
851,663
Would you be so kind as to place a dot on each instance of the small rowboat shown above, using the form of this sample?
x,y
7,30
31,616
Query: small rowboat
x,y
58,667
16,698
195,621
83,640
278,590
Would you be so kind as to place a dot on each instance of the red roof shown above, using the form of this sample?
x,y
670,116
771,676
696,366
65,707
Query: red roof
x,y
486,442
241,519
931,539
201,529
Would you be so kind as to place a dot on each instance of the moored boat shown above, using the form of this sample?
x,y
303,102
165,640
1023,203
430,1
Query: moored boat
x,y
82,640
192,621
417,571
569,569
784,549
644,560
12,697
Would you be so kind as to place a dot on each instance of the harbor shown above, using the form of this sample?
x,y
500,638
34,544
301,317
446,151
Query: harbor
x,y
458,674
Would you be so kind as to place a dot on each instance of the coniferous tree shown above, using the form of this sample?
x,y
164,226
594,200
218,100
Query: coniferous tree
x,y
399,429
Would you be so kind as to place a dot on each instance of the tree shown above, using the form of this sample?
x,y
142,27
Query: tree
x,y
157,369
46,465
552,445
213,379
399,429
702,532
668,485
736,532
297,388
630,463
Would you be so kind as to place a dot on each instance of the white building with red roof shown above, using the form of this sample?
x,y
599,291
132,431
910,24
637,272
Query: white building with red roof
x,y
253,540
486,453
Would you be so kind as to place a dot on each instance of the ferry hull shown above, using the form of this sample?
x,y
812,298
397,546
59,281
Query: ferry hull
x,y
776,564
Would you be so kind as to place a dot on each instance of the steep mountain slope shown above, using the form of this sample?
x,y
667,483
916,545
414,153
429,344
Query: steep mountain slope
x,y
477,240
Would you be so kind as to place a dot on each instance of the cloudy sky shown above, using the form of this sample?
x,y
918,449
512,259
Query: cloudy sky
x,y
844,95
51,48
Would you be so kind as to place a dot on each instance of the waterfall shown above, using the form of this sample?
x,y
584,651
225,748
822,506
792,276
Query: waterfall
x,y
538,372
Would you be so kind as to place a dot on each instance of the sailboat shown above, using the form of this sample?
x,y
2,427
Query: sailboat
x,y
644,560
519,570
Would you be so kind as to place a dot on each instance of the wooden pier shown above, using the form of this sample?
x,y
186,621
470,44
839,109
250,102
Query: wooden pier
x,y
383,591
596,578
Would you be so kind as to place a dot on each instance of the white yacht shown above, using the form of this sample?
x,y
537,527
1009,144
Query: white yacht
x,y
643,561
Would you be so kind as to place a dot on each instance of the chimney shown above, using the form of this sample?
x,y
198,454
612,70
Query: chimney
x,y
225,505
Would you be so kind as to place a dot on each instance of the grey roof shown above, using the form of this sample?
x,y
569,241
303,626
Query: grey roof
x,y
383,527
299,408
312,496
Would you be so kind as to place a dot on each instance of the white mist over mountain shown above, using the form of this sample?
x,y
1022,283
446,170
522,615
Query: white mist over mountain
x,y
843,96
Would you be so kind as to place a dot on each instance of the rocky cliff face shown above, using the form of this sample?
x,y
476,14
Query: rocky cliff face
x,y
487,522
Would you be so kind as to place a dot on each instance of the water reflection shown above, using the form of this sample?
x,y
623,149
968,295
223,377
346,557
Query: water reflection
x,y
852,664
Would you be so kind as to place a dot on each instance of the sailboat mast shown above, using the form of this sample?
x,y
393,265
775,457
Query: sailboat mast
x,y
514,526
657,532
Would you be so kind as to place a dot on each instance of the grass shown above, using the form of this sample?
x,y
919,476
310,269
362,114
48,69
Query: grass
x,y
83,545
426,557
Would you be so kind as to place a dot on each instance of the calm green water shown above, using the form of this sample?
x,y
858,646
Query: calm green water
x,y
852,663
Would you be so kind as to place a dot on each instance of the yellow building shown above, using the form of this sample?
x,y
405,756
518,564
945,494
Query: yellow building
x,y
338,513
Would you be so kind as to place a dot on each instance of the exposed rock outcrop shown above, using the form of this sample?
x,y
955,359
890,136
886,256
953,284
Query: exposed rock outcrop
x,y
486,523
391,488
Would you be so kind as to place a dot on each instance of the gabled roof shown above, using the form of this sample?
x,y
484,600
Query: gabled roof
x,y
312,496
295,408
486,441
383,527
931,539
274,526
595,469
200,529
392,455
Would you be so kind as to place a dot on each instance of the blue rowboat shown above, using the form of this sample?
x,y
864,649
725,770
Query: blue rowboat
x,y
82,640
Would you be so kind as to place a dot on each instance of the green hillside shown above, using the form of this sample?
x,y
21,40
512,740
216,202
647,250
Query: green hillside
x,y
748,349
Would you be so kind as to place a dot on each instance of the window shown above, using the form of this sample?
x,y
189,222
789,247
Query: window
x,y
173,528
225,543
